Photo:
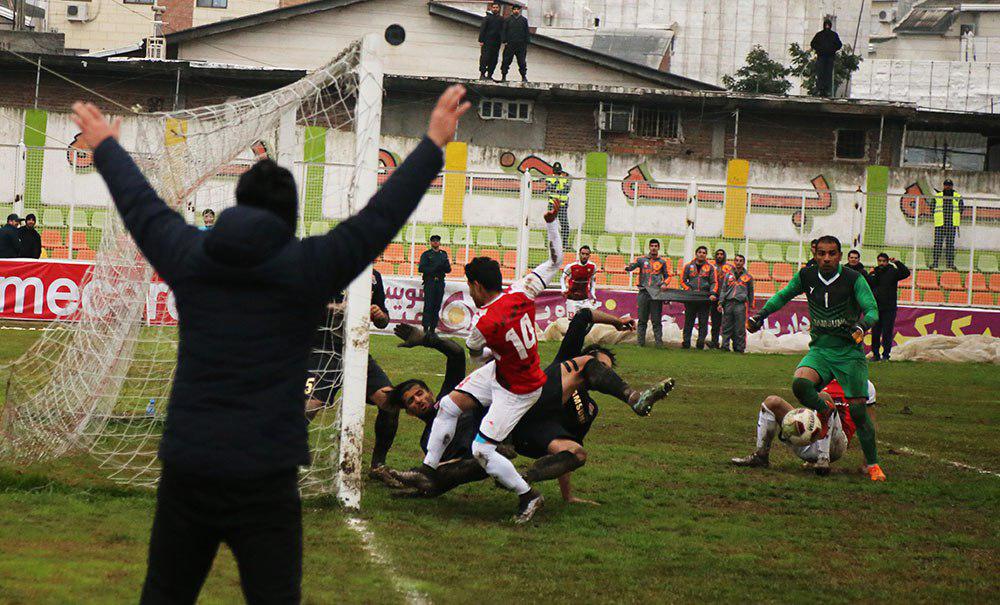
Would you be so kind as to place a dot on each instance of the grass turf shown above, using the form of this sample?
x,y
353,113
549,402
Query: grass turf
x,y
676,523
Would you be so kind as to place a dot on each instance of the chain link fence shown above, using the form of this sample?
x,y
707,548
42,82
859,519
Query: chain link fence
x,y
498,214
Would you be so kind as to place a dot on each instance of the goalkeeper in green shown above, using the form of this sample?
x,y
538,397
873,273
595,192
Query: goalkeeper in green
x,y
841,309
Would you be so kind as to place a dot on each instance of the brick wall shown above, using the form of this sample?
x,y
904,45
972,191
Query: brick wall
x,y
571,127
179,15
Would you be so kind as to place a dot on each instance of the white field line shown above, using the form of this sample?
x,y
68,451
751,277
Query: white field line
x,y
402,584
967,467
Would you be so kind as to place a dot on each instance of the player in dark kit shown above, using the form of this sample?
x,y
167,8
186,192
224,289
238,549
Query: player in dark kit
x,y
841,309
552,432
325,375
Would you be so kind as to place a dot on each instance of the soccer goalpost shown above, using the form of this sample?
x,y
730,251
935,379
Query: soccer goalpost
x,y
97,382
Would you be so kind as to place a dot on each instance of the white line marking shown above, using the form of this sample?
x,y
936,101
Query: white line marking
x,y
913,452
401,583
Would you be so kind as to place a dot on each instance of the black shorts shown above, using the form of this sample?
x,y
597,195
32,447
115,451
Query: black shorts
x,y
326,377
532,438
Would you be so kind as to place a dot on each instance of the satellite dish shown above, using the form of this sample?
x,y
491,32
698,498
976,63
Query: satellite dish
x,y
395,34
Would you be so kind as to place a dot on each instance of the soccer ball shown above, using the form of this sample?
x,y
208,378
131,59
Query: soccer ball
x,y
801,426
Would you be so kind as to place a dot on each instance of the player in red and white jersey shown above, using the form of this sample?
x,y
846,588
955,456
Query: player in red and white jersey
x,y
831,443
510,382
578,283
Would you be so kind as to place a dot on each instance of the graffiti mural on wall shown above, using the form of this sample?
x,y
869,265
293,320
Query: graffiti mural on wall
x,y
486,185
774,203
918,202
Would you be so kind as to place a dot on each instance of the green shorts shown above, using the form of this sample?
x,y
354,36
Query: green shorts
x,y
847,364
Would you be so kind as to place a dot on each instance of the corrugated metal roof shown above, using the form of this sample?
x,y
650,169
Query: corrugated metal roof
x,y
928,20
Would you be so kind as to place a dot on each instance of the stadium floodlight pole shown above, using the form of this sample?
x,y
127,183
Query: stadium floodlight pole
x,y
356,324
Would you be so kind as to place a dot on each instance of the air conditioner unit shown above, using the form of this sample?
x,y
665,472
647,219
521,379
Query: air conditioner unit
x,y
615,118
77,11
887,16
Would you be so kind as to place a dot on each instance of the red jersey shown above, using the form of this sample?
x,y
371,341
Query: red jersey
x,y
507,327
578,280
836,392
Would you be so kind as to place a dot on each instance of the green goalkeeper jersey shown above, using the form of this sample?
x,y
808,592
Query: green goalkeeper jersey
x,y
836,304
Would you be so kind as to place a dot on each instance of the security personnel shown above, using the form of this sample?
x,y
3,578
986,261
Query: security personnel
x,y
948,207
515,36
699,276
490,34
735,304
434,265
557,188
722,268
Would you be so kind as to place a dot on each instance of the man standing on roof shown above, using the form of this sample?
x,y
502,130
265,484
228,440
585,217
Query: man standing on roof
x,y
825,43
653,276
490,32
515,35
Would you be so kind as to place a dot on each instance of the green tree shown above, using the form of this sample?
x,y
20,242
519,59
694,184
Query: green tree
x,y
761,74
804,66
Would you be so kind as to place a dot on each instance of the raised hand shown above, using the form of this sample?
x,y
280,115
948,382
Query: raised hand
x,y
94,127
411,336
444,118
553,213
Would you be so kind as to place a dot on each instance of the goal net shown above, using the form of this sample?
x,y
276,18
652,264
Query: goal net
x,y
98,380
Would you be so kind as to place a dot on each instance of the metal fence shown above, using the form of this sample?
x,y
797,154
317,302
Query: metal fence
x,y
498,214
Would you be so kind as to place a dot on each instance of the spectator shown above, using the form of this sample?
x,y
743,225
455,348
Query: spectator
x,y
948,208
812,253
715,312
434,265
854,262
825,43
515,36
736,302
490,35
250,297
31,241
208,218
557,188
10,240
884,280
699,276
578,283
653,278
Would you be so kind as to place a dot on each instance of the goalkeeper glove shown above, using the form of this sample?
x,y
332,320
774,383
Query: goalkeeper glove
x,y
754,323
858,334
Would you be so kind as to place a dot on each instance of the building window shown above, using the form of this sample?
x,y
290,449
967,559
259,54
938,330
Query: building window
x,y
212,3
851,144
656,123
502,109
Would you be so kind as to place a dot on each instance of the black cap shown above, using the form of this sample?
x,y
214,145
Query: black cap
x,y
31,217
206,211
13,217
948,182
557,167
435,238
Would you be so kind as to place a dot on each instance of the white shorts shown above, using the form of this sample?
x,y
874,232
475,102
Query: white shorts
x,y
574,306
838,443
504,409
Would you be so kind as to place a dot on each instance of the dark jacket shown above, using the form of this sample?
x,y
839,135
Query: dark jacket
x,y
826,43
885,283
31,242
491,29
434,265
515,30
10,242
250,297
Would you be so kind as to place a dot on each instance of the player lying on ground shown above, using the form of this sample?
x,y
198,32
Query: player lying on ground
x,y
326,372
504,331
841,309
832,442
552,432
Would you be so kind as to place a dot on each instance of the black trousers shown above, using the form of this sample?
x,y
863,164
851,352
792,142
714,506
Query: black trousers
x,y
260,520
693,311
944,239
883,332
715,315
564,223
489,55
433,296
510,51
824,76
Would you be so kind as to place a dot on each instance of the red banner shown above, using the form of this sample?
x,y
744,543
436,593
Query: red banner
x,y
44,290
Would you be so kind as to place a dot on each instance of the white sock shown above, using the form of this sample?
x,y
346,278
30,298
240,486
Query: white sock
x,y
442,431
767,426
499,467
